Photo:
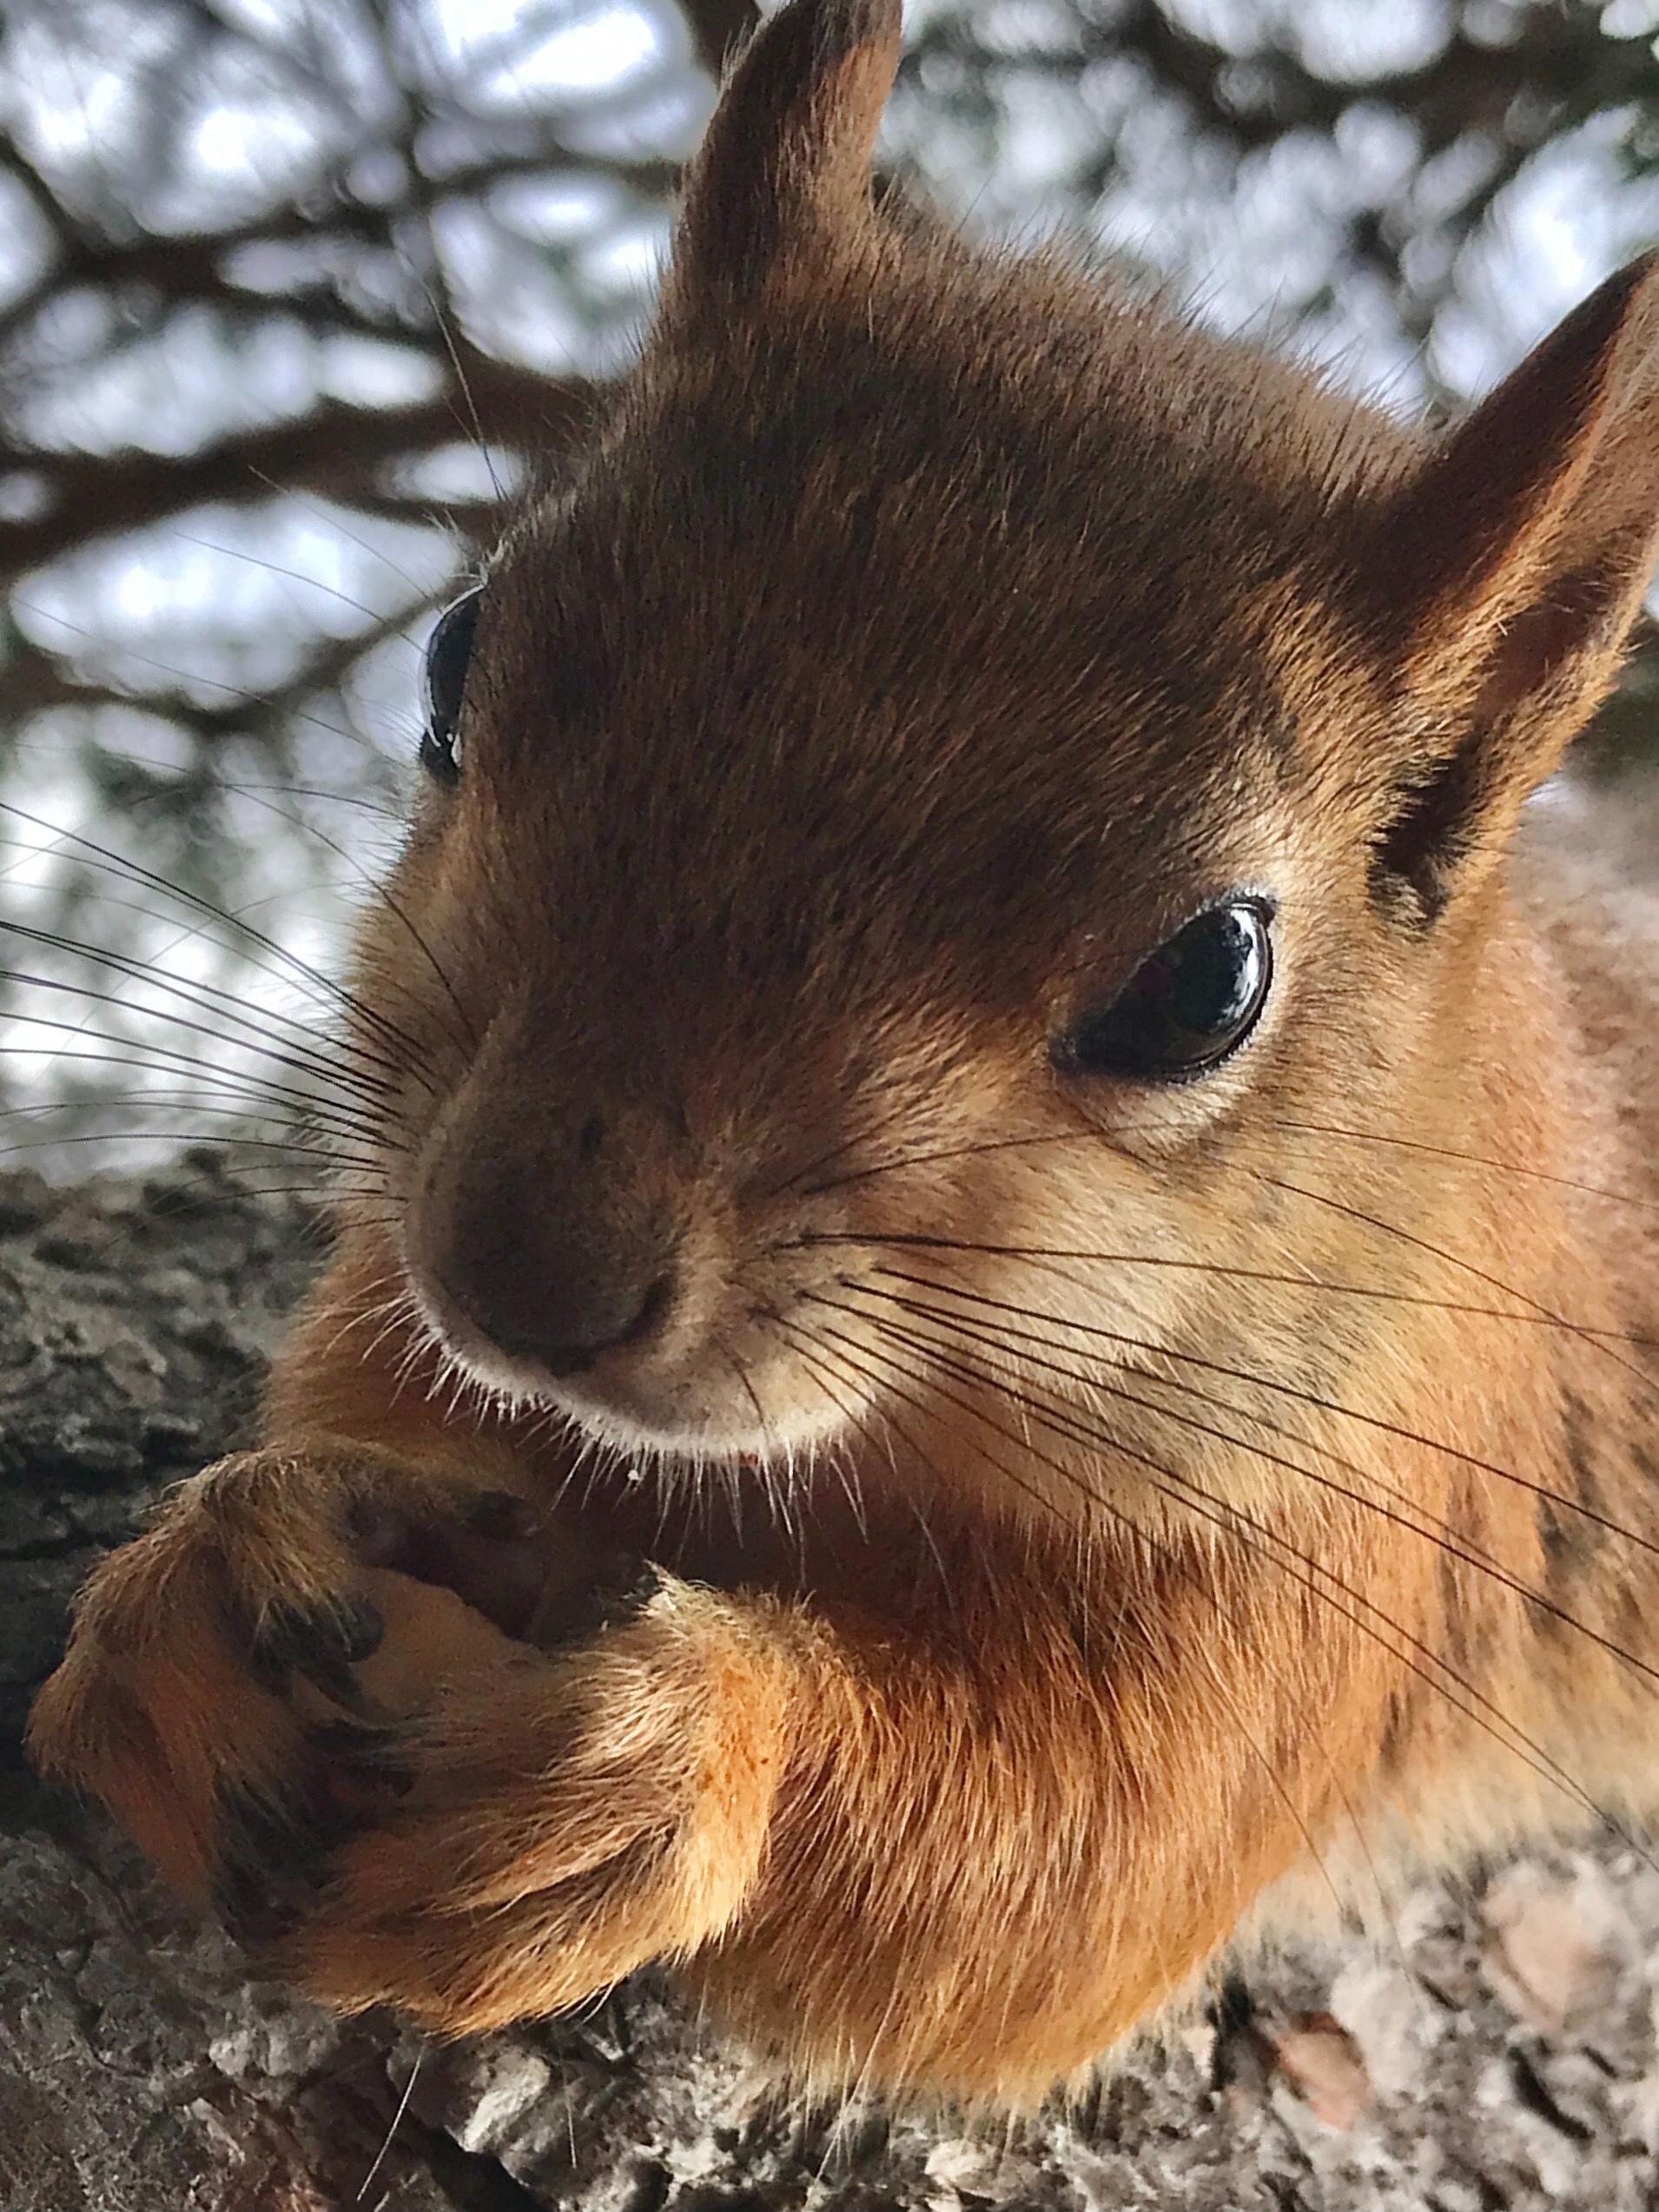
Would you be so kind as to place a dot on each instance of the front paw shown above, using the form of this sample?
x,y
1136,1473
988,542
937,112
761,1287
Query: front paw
x,y
214,1659
566,1817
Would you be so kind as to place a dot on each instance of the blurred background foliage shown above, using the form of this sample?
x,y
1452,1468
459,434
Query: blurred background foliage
x,y
290,287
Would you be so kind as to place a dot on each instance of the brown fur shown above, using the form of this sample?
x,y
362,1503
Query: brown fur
x,y
1089,1511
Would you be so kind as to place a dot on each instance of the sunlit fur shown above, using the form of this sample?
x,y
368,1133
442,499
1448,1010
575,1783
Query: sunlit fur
x,y
1094,1515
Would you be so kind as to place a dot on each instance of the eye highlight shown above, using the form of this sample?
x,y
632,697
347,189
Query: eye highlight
x,y
1188,1006
449,654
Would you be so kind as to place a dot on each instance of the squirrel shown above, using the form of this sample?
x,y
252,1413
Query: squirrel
x,y
995,1276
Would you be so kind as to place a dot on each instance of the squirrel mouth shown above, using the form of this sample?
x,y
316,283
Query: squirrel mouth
x,y
634,1395
651,1329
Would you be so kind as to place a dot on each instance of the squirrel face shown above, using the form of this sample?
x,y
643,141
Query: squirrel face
x,y
964,766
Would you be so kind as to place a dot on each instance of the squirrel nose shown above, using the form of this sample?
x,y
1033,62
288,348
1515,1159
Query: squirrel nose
x,y
554,1287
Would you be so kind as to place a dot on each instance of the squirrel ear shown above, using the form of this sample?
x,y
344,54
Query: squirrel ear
x,y
786,164
1503,578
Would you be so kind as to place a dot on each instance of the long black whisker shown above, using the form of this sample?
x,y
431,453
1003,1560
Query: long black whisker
x,y
331,515
1472,1554
1280,1390
267,1026
381,808
900,1160
475,423
290,961
467,1042
269,567
861,1427
1232,1520
301,1106
315,1066
327,1153
1597,1338
235,1101
308,1190
1380,1292
859,1356
1210,1594
1466,1159
816,1166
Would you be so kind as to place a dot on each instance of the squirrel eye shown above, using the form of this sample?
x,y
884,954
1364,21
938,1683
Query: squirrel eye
x,y
448,653
1185,1008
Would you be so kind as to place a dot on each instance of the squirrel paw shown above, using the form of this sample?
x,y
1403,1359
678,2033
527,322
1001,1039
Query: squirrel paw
x,y
550,1822
432,1748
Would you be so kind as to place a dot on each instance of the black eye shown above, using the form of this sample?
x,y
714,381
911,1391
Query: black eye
x,y
1185,1009
448,654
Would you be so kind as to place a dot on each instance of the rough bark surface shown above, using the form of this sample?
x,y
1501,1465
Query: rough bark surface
x,y
1498,2052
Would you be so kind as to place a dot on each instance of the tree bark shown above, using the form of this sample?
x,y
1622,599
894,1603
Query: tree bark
x,y
1495,2049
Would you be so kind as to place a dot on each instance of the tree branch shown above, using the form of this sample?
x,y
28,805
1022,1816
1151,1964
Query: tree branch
x,y
333,451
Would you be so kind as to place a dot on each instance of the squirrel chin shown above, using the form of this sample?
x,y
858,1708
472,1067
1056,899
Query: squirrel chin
x,y
686,1425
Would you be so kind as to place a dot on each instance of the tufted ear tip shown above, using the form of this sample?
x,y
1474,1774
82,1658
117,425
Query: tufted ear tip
x,y
1500,582
785,165
834,27
1555,474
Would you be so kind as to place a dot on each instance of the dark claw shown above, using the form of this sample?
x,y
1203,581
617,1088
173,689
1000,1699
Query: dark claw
x,y
410,1542
279,1852
276,1855
495,1550
482,1546
500,1516
361,1629
379,1532
615,1591
356,1741
362,1758
635,1584
323,1642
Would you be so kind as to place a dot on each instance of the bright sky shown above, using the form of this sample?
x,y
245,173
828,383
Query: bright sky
x,y
547,48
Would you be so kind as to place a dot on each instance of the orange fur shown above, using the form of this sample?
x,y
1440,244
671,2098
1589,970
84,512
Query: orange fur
x,y
1089,1513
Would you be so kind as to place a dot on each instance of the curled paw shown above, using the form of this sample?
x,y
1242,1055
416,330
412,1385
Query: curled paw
x,y
237,1678
568,1816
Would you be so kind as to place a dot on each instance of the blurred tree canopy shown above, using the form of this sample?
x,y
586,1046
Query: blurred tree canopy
x,y
290,287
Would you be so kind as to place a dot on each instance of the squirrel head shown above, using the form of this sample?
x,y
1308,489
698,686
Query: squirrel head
x,y
961,767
